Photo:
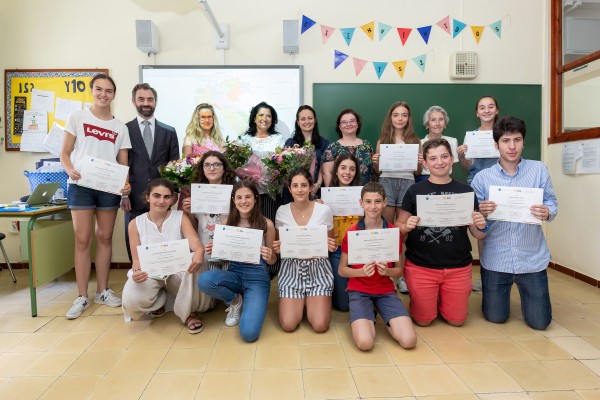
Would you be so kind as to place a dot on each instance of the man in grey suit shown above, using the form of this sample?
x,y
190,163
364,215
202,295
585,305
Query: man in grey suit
x,y
153,144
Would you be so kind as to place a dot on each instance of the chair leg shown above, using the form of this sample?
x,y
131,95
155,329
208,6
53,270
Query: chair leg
x,y
8,263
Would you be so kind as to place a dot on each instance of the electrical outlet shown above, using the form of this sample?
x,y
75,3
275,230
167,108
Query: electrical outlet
x,y
14,227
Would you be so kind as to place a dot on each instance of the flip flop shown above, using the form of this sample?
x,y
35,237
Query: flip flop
x,y
194,324
158,313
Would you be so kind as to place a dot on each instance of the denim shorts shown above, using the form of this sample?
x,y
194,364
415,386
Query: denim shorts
x,y
363,306
395,188
82,198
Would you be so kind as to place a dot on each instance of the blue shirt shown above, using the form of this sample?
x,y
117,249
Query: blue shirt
x,y
513,247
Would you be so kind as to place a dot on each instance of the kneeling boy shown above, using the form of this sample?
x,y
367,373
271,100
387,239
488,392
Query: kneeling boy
x,y
369,286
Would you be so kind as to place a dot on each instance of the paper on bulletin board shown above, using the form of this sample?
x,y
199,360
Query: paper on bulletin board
x,y
42,100
571,152
590,160
65,107
35,126
54,139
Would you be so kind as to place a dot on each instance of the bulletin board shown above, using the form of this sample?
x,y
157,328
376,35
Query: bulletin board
x,y
65,84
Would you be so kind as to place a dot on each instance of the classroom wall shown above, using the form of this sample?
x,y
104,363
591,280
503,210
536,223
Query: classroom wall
x,y
82,34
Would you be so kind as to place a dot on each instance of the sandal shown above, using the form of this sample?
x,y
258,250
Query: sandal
x,y
194,324
157,313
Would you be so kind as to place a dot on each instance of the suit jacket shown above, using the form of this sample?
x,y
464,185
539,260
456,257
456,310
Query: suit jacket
x,y
142,169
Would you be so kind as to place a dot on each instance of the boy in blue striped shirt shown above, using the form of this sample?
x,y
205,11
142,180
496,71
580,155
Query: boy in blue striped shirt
x,y
515,252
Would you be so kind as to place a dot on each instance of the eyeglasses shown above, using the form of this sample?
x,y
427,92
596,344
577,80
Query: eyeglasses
x,y
349,122
216,165
206,118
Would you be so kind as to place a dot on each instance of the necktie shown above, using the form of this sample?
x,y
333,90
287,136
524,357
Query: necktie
x,y
147,136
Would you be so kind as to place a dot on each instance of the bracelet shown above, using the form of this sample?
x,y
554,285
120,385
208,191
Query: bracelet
x,y
126,196
484,230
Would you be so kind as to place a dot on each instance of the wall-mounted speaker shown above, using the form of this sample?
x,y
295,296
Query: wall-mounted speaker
x,y
291,38
146,36
463,65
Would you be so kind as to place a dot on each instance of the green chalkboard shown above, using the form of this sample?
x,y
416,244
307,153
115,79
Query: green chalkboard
x,y
372,100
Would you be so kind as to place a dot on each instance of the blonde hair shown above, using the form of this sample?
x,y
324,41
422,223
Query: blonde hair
x,y
387,129
194,132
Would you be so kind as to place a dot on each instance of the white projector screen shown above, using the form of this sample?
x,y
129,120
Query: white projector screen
x,y
231,90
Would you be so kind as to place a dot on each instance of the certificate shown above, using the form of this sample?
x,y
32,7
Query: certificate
x,y
166,258
446,209
304,241
103,175
481,145
398,157
237,244
513,203
373,245
210,199
343,201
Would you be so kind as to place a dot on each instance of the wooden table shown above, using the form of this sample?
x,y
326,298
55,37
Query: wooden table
x,y
50,246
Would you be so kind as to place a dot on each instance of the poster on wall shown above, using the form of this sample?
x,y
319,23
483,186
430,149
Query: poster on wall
x,y
49,94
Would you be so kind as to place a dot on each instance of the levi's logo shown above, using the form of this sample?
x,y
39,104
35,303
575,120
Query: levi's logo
x,y
99,133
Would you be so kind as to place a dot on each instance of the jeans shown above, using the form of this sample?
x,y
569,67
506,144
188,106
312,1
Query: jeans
x,y
535,297
339,298
249,280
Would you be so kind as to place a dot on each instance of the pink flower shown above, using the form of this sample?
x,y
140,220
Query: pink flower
x,y
280,159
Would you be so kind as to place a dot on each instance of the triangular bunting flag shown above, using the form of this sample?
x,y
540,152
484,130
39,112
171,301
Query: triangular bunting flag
x,y
404,33
445,24
347,33
421,61
477,32
400,67
358,65
457,27
383,29
307,23
339,58
497,28
425,31
379,68
369,29
326,32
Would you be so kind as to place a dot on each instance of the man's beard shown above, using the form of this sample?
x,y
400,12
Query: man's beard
x,y
146,111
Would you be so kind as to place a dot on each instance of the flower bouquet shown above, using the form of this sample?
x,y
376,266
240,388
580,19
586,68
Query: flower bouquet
x,y
237,154
180,171
279,165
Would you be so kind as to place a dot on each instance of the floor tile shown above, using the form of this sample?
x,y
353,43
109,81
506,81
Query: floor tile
x,y
421,383
94,362
117,387
544,349
578,347
380,382
335,383
25,387
323,356
575,373
53,363
219,385
276,385
486,378
534,376
172,386
185,360
504,350
138,362
72,387
376,357
237,358
461,351
420,354
277,358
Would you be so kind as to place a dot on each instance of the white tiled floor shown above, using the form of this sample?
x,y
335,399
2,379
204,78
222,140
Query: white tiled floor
x,y
99,356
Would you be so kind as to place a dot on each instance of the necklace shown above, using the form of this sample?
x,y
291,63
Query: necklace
x,y
159,226
300,212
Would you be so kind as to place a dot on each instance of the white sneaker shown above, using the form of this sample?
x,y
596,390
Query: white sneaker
x,y
233,313
401,286
78,307
477,285
108,298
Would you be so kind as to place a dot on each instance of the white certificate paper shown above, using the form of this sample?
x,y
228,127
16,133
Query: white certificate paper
x,y
304,241
166,258
343,201
103,175
237,244
373,245
481,145
398,157
210,199
513,204
445,209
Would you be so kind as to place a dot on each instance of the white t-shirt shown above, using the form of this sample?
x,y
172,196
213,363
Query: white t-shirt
x,y
321,215
95,137
453,145
149,233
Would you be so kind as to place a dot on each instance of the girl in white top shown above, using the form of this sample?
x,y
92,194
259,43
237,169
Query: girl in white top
x,y
94,132
304,281
435,120
145,296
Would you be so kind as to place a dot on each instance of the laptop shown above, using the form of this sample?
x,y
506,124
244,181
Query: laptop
x,y
42,194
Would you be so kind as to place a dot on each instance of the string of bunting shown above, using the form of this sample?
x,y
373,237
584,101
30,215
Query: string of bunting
x,y
379,66
451,26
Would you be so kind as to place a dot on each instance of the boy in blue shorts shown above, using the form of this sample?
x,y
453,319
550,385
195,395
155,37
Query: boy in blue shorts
x,y
369,285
